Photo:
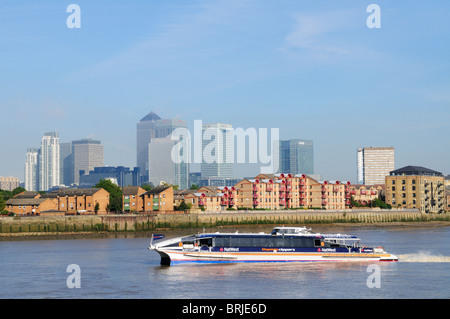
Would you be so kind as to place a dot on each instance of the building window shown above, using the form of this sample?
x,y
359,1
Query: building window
x,y
393,182
393,188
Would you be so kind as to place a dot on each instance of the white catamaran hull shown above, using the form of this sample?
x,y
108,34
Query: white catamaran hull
x,y
284,244
175,257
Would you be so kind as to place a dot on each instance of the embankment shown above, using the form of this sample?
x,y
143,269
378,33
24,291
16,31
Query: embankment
x,y
14,226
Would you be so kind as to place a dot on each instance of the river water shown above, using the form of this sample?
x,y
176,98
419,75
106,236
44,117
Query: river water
x,y
111,268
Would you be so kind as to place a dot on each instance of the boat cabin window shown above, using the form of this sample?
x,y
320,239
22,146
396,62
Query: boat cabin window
x,y
263,241
188,244
275,231
287,231
205,242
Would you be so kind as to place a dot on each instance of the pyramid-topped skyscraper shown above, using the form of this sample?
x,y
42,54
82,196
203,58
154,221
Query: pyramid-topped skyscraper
x,y
152,128
145,131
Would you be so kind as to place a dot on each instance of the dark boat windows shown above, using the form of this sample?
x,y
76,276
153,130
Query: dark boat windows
x,y
205,242
291,242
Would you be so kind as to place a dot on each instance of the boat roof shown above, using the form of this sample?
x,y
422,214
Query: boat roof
x,y
298,231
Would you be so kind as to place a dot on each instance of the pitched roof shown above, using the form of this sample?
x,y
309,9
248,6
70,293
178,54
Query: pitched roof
x,y
150,117
415,170
25,201
156,190
77,191
131,190
185,191
27,195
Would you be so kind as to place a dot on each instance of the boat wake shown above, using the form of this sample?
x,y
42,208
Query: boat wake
x,y
423,257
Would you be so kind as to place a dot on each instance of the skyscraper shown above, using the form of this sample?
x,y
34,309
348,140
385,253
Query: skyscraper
x,y
32,170
145,131
215,149
152,126
163,167
374,164
65,164
296,156
49,161
86,154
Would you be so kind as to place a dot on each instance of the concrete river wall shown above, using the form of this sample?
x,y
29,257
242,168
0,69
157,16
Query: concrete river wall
x,y
133,222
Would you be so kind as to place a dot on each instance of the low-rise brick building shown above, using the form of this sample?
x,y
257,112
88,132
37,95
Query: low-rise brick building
x,y
131,199
69,201
158,199
30,206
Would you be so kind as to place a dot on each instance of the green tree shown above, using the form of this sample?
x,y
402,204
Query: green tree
x,y
377,202
354,203
6,194
194,186
183,206
2,203
175,187
147,186
115,194
96,208
18,190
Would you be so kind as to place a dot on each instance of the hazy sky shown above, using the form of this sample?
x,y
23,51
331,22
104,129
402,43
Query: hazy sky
x,y
313,69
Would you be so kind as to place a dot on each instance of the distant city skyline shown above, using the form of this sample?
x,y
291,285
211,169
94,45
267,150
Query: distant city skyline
x,y
313,70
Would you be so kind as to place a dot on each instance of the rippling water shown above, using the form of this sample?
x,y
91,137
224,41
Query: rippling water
x,y
124,268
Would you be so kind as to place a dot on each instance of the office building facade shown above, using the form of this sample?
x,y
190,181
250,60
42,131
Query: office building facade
x,y
296,156
374,164
49,161
32,170
65,164
86,154
9,183
120,175
150,127
145,131
164,168
215,148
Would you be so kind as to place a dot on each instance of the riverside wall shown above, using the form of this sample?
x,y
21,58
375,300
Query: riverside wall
x,y
135,223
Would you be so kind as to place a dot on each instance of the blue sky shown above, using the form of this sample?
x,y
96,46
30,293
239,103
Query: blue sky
x,y
313,69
